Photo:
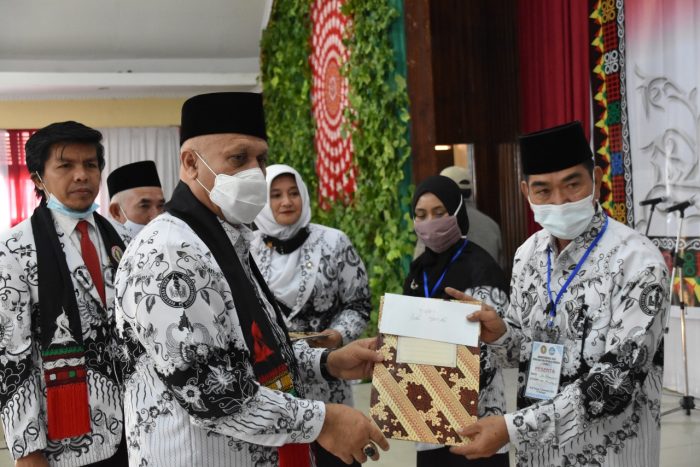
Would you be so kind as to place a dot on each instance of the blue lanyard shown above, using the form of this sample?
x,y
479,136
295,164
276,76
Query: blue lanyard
x,y
442,276
553,302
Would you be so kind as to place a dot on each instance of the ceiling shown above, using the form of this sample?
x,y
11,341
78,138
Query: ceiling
x,y
128,48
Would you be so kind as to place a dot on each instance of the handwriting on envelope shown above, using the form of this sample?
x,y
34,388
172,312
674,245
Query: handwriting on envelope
x,y
427,314
428,318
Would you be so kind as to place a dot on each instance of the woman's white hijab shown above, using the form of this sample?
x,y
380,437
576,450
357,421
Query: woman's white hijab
x,y
266,220
285,274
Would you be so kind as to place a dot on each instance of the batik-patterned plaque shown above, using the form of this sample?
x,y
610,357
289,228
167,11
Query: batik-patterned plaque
x,y
425,403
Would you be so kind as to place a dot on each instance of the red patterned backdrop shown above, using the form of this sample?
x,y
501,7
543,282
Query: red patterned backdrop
x,y
329,94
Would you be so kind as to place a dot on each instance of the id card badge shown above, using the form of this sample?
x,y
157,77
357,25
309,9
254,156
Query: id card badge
x,y
545,369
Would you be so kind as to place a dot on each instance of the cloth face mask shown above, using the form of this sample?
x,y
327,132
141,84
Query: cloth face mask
x,y
441,233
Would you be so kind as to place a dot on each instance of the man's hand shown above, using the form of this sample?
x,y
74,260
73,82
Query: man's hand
x,y
331,339
492,325
355,360
35,459
347,431
488,435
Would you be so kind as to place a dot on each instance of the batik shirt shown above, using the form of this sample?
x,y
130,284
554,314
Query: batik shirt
x,y
22,386
610,321
333,294
191,396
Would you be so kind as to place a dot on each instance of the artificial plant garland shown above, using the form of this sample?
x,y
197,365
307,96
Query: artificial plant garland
x,y
376,220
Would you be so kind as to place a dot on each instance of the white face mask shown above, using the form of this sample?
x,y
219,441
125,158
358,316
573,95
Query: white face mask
x,y
130,225
241,196
133,227
565,221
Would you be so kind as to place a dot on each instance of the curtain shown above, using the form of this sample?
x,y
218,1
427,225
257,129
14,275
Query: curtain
x,y
16,187
4,181
554,66
126,145
663,76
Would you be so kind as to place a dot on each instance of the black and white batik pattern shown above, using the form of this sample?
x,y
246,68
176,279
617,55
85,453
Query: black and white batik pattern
x,y
191,397
333,293
492,397
610,321
22,387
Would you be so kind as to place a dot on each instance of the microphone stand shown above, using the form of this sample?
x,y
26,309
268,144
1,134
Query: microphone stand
x,y
687,402
651,214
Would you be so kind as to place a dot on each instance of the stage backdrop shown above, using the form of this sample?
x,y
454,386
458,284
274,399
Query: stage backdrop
x,y
336,108
647,113
329,97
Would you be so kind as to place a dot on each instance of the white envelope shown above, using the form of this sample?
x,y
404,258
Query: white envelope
x,y
429,318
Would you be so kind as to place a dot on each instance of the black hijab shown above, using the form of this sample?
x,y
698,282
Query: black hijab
x,y
472,268
448,193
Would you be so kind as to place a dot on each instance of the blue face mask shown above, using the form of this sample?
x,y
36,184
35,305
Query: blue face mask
x,y
54,204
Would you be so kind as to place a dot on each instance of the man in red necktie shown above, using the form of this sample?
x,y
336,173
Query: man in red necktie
x,y
60,393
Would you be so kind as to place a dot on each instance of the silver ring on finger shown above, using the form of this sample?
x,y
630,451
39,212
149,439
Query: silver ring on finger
x,y
369,450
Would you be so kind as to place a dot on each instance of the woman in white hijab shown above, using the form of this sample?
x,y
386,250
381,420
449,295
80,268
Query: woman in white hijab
x,y
316,275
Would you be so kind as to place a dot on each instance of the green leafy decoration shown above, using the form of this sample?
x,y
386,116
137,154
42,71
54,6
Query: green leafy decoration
x,y
286,79
377,219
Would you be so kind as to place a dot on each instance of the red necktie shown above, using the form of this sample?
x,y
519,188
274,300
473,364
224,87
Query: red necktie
x,y
92,260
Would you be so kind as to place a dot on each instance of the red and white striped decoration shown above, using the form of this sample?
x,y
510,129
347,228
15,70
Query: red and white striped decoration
x,y
329,95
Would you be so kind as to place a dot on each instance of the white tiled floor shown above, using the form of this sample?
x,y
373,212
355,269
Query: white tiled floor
x,y
680,435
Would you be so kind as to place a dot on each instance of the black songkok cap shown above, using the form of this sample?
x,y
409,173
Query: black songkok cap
x,y
554,149
223,112
134,175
